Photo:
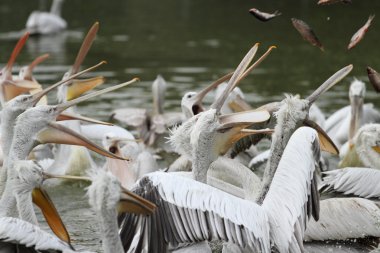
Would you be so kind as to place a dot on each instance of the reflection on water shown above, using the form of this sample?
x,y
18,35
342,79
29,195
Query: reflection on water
x,y
191,43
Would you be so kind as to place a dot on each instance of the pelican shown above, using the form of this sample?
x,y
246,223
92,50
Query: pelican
x,y
343,124
15,107
35,126
364,148
189,211
150,126
68,159
204,136
105,197
46,22
9,87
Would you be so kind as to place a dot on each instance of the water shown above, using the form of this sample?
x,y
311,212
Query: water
x,y
192,43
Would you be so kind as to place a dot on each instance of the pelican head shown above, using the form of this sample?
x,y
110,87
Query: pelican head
x,y
29,175
356,95
191,105
367,143
115,145
104,192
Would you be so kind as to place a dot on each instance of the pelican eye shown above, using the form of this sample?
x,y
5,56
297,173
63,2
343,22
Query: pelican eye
x,y
189,96
25,99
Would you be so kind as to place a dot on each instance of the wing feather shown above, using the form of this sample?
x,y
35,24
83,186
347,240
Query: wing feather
x,y
362,182
291,194
218,215
23,233
345,218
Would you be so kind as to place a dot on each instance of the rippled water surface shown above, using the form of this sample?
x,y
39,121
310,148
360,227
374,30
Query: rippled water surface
x,y
191,43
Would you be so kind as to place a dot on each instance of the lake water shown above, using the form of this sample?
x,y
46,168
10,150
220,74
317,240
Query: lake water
x,y
191,43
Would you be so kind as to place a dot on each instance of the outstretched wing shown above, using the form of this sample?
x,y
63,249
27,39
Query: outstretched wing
x,y
293,195
361,182
190,212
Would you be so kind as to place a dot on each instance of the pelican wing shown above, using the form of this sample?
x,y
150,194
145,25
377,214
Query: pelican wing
x,y
19,232
345,218
333,122
134,117
189,212
361,182
293,195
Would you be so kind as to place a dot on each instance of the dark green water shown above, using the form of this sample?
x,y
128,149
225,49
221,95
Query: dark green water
x,y
194,42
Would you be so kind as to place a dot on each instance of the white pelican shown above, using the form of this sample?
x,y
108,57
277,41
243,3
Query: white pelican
x,y
106,197
189,211
15,107
35,126
343,124
364,149
151,125
46,22
9,87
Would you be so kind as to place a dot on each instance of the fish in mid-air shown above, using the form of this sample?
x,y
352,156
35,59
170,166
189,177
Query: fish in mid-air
x,y
263,16
358,36
307,33
324,2
374,78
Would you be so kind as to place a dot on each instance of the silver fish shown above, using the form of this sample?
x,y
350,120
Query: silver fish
x,y
307,33
358,36
374,78
263,16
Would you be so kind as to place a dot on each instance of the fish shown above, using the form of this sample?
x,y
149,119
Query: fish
x,y
374,78
325,2
263,16
307,33
358,36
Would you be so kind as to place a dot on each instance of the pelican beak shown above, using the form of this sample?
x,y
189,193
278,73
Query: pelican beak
x,y
334,79
12,89
16,51
78,87
239,105
85,47
240,73
356,114
37,96
28,75
232,127
132,203
325,141
64,106
51,176
56,133
71,116
376,148
52,217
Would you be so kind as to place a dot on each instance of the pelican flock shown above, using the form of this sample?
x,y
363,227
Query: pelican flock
x,y
215,196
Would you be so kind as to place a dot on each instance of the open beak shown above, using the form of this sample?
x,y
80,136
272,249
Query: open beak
x,y
28,75
334,79
85,47
232,127
12,89
239,105
132,203
325,142
240,73
39,95
71,116
64,106
16,51
56,133
78,87
43,201
356,114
